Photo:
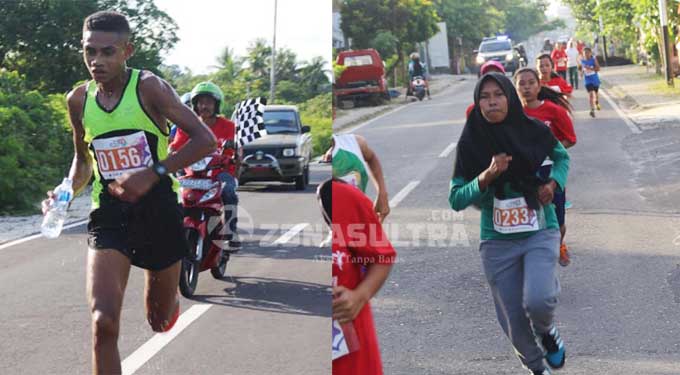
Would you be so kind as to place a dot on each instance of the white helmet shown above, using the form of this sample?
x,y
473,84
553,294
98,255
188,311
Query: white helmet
x,y
415,55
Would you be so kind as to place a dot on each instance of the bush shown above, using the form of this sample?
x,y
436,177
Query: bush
x,y
36,146
316,113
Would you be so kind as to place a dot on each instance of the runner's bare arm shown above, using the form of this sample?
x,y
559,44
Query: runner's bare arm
x,y
81,167
166,103
347,303
381,204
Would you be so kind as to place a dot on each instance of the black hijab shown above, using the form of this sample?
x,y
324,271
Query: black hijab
x,y
526,139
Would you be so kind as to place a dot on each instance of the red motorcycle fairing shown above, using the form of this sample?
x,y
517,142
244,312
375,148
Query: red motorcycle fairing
x,y
203,219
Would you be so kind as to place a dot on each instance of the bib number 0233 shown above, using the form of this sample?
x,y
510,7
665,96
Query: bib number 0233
x,y
514,216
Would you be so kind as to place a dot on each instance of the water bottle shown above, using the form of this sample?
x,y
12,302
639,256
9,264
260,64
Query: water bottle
x,y
57,212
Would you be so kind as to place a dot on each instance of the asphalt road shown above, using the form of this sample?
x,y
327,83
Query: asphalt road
x,y
620,298
269,316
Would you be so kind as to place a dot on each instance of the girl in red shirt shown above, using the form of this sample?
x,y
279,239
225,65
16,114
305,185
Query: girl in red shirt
x,y
362,260
553,109
549,78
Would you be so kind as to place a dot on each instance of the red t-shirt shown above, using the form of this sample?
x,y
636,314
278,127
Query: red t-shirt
x,y
580,46
358,240
557,119
559,58
558,84
223,130
469,110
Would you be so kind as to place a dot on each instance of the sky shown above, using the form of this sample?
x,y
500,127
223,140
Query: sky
x,y
207,26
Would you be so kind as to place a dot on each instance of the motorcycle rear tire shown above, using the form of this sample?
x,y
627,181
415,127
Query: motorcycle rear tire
x,y
191,267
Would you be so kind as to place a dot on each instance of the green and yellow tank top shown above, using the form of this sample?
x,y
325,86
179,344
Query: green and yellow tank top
x,y
122,140
348,161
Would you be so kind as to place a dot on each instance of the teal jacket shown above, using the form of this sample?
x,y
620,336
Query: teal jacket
x,y
464,193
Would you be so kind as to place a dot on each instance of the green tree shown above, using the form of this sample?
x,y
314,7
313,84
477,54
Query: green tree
x,y
627,21
313,76
42,38
408,21
36,147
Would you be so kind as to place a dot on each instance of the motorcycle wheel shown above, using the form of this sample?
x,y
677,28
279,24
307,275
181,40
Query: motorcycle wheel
x,y
219,271
191,267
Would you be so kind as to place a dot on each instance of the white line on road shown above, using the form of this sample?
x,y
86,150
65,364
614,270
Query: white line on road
x,y
394,202
145,352
292,232
448,150
618,110
355,128
33,237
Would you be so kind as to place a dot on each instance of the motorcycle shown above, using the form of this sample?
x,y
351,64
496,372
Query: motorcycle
x,y
418,87
201,193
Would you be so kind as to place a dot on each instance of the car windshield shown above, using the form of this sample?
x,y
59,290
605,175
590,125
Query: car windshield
x,y
277,122
495,46
358,60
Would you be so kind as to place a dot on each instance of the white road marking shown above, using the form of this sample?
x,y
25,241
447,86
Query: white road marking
x,y
448,150
145,352
618,110
394,202
35,236
292,232
355,128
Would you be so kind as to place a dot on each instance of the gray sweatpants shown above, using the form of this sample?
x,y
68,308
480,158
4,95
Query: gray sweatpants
x,y
523,280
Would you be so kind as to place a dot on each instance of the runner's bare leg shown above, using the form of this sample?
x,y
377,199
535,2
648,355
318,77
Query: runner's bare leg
x,y
107,276
161,296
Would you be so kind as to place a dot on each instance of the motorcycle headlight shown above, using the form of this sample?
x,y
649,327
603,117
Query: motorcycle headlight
x,y
201,164
509,57
209,195
288,152
480,59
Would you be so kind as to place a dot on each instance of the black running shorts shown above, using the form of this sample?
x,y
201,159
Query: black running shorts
x,y
590,88
150,232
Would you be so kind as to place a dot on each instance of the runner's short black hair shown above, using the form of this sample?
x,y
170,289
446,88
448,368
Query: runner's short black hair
x,y
107,20
324,194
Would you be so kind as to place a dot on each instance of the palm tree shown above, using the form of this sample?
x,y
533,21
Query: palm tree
x,y
313,75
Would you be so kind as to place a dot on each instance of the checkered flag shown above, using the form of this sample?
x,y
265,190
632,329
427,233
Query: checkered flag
x,y
249,120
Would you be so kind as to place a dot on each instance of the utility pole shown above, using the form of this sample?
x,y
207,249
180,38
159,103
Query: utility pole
x,y
604,38
667,49
272,75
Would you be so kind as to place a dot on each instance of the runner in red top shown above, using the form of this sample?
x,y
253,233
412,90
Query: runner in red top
x,y
555,117
553,109
544,64
222,128
358,243
559,58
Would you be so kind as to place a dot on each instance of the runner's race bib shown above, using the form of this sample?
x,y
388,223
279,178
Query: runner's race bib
x,y
588,71
514,216
122,154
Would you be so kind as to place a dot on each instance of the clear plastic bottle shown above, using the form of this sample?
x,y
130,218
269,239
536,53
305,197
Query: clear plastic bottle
x,y
57,212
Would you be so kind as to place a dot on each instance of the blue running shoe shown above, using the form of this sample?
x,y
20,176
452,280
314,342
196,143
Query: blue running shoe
x,y
554,346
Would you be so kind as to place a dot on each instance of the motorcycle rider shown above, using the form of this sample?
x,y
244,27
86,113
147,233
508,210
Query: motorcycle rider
x,y
522,54
417,68
547,46
206,101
